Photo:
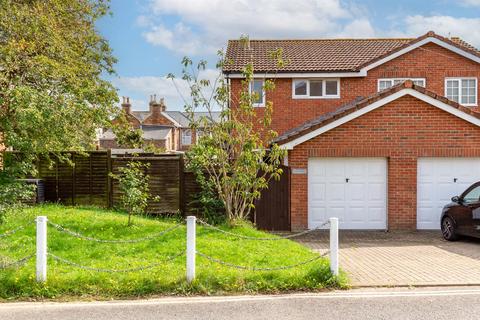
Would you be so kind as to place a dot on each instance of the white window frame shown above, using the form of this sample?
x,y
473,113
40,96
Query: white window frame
x,y
323,96
399,79
183,135
261,104
459,79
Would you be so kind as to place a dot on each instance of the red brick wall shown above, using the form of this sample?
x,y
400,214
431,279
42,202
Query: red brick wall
x,y
401,131
429,61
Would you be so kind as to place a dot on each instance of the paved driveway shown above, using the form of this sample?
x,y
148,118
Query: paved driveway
x,y
403,258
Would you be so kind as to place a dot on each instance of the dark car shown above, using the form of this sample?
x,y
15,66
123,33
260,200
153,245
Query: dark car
x,y
462,215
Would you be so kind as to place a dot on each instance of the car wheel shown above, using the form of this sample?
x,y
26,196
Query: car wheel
x,y
448,229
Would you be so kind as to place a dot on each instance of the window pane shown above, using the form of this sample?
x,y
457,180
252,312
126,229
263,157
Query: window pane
x,y
453,90
384,84
472,196
300,88
397,81
419,83
331,88
316,88
257,89
468,91
186,137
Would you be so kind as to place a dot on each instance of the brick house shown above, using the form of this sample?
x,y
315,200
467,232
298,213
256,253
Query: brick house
x,y
380,132
168,130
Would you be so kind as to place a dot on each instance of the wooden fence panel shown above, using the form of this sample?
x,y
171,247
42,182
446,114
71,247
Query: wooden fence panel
x,y
164,181
88,183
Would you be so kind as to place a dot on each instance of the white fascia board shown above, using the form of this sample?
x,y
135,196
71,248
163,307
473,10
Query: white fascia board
x,y
302,75
419,44
171,119
407,91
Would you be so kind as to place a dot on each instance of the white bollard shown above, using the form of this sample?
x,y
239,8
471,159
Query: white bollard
x,y
191,249
41,249
334,245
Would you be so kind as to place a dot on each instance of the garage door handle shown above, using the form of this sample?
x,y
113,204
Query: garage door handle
x,y
346,180
455,180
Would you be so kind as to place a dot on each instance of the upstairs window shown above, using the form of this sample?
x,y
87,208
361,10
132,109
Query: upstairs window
x,y
316,89
462,90
389,82
256,89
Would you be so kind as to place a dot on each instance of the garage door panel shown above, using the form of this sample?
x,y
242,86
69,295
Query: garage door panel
x,y
320,194
355,192
438,180
335,192
376,191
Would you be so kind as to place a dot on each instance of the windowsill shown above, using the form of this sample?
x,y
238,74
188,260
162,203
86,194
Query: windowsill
x,y
258,105
314,98
468,105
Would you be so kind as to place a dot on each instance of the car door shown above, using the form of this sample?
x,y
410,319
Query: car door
x,y
469,216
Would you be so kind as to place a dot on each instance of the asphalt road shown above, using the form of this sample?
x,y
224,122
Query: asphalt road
x,y
446,303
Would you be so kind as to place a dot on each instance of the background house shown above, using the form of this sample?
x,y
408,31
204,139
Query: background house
x,y
168,130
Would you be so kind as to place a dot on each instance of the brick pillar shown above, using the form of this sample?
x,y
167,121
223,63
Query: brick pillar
x,y
299,201
402,193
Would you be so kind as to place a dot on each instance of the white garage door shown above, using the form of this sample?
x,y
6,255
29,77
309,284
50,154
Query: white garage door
x,y
438,180
352,189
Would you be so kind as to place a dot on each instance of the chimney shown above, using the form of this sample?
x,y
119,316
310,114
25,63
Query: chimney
x,y
156,106
126,106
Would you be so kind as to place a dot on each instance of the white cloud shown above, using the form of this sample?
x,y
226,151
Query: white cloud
x,y
445,25
471,3
205,25
144,86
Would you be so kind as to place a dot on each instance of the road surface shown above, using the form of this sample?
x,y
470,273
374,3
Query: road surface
x,y
423,304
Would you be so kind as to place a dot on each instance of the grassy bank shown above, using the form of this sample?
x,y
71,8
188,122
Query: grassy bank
x,y
167,279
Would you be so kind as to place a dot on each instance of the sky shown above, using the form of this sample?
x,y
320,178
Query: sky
x,y
150,37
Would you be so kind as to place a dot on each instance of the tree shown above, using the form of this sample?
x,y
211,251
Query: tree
x,y
133,183
235,155
52,94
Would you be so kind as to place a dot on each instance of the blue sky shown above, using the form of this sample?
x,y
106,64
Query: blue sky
x,y
150,37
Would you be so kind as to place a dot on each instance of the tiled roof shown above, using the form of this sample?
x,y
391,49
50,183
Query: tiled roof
x,y
180,117
359,103
322,55
149,133
141,115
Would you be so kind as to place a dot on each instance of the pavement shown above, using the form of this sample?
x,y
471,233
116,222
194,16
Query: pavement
x,y
365,304
417,258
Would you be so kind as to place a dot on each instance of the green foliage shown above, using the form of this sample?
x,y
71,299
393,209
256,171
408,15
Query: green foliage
x,y
235,156
66,282
52,95
126,135
207,201
133,183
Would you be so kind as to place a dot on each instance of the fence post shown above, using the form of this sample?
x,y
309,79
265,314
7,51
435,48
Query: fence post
x,y
334,245
191,250
41,260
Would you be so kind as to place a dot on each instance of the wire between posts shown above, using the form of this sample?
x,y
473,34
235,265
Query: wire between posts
x,y
17,263
8,233
83,237
128,270
231,265
262,239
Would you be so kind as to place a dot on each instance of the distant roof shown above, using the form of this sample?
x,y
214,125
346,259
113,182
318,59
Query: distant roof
x,y
149,133
182,118
322,55
141,115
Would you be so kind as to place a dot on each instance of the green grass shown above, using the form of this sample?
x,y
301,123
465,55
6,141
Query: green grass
x,y
66,281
